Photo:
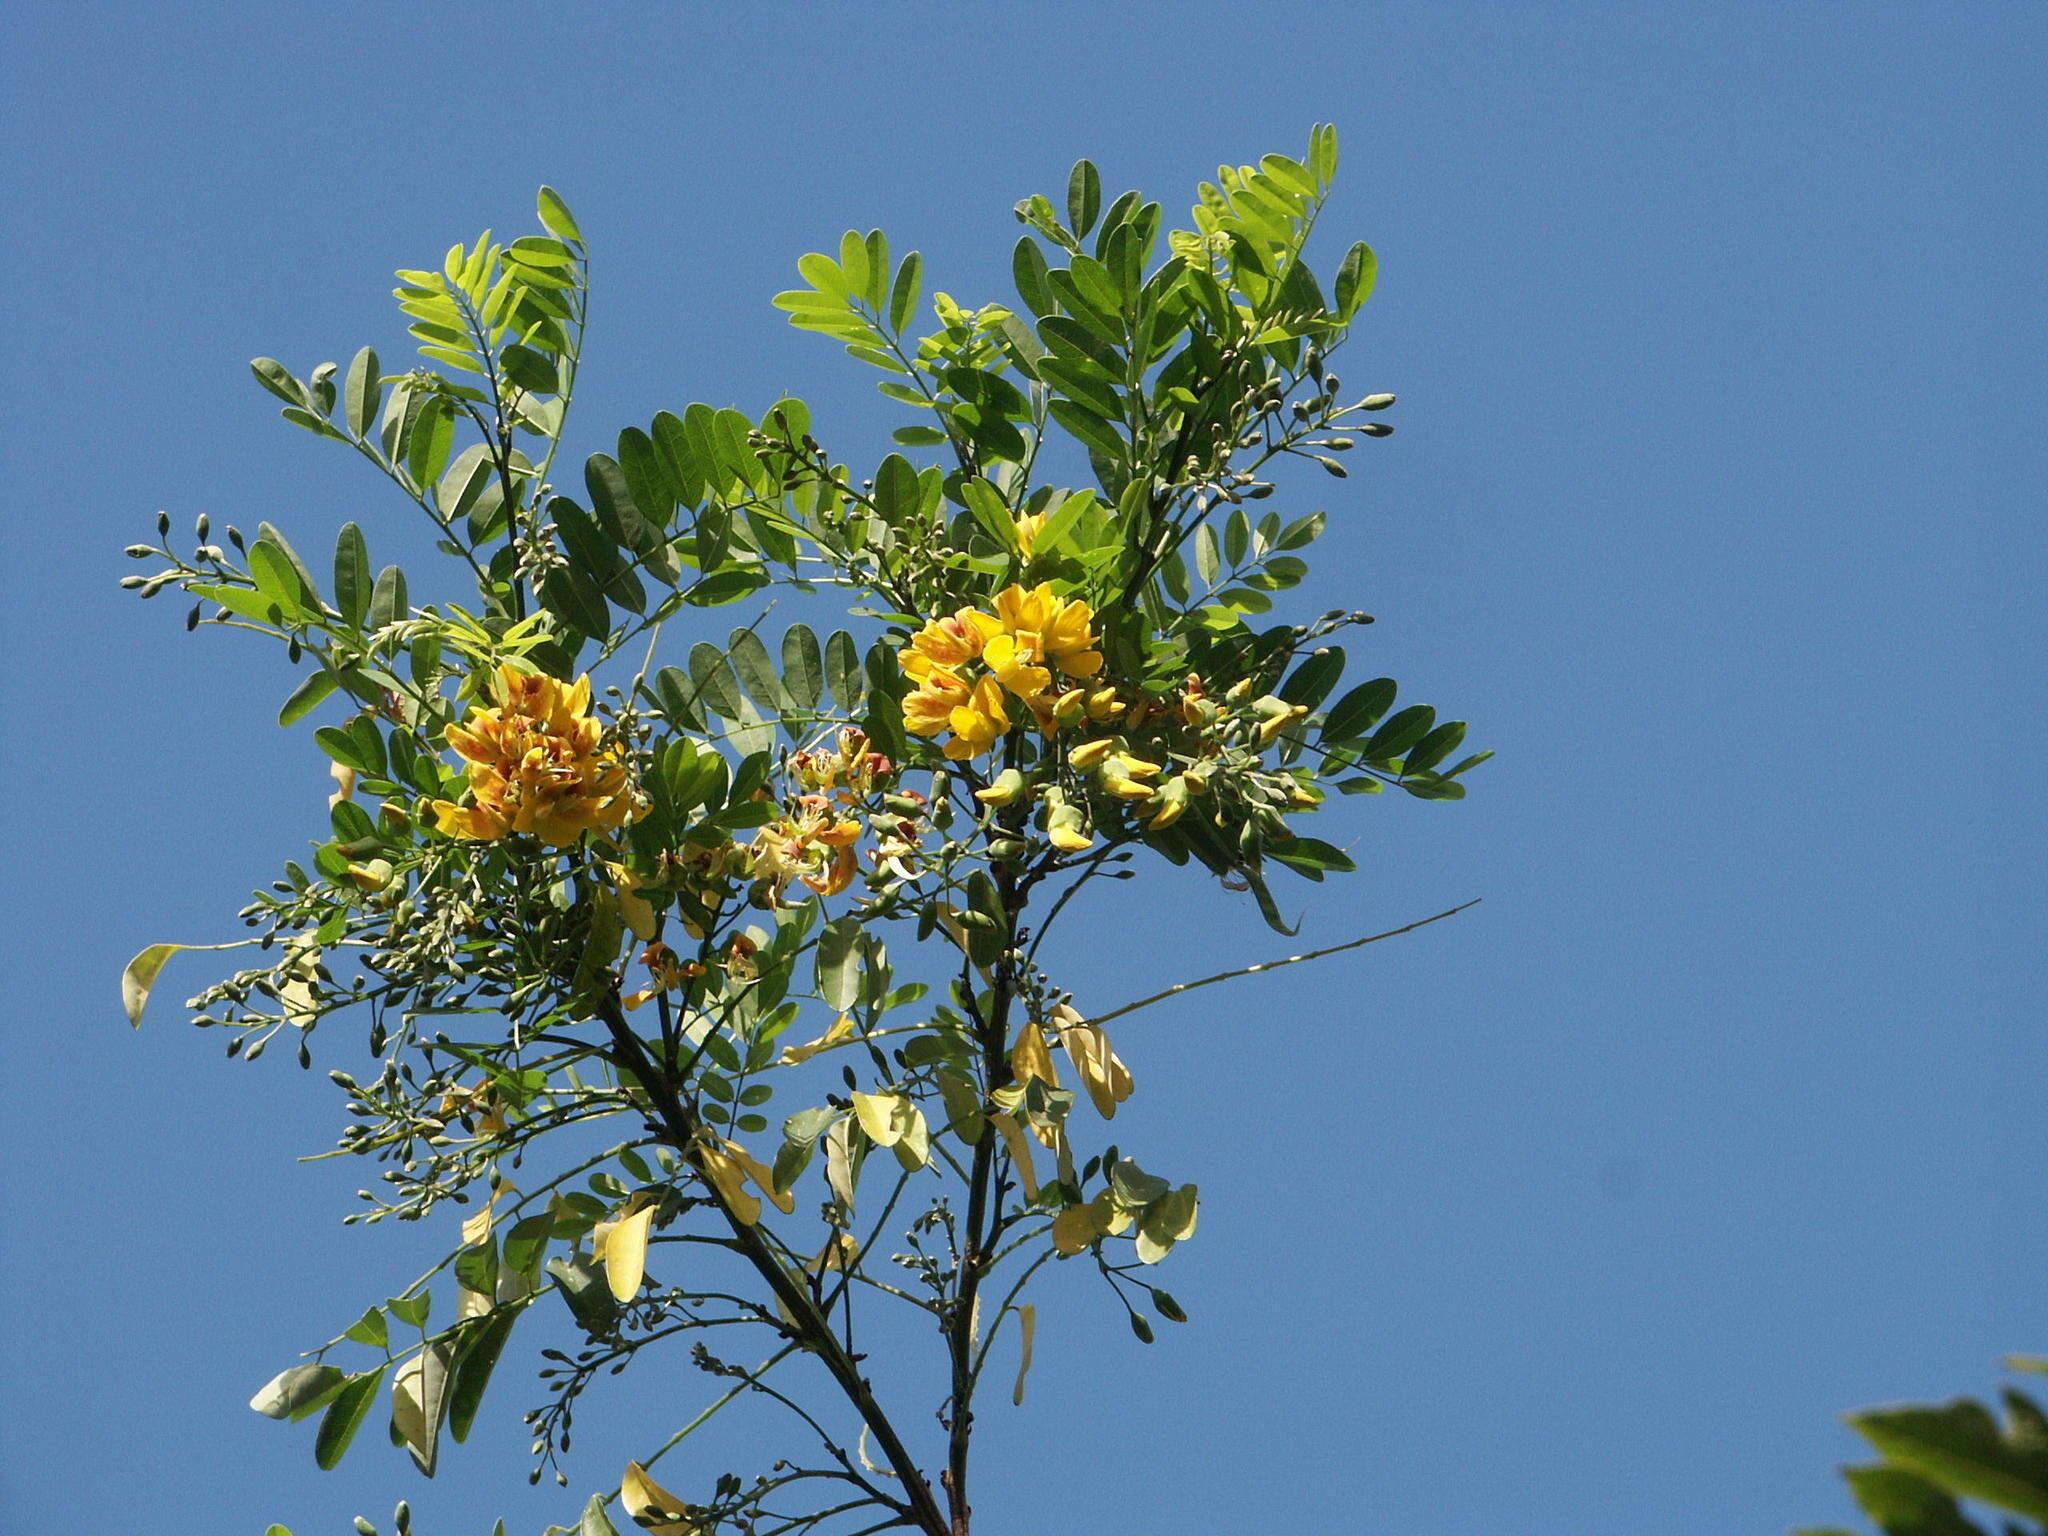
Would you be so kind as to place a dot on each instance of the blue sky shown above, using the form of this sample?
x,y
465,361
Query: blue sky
x,y
1717,331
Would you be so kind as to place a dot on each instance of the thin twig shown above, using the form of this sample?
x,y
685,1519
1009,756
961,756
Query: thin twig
x,y
1274,965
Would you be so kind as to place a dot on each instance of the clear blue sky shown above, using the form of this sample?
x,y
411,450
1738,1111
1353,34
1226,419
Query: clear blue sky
x,y
1715,507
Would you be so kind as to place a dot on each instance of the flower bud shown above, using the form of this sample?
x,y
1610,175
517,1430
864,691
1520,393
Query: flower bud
x,y
1005,790
1089,753
1375,402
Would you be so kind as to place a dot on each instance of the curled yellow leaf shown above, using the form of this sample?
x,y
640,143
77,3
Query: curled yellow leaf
x,y
839,1033
1027,1321
1031,1057
141,975
1103,1073
622,1249
763,1177
730,1180
1074,1229
877,1115
652,1507
1019,1146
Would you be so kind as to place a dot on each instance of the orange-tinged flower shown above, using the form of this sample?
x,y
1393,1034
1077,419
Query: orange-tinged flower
x,y
537,764
952,641
811,845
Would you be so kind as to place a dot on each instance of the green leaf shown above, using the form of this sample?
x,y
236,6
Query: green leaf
x,y
276,378
1312,681
595,1521
276,580
1311,856
1959,1447
903,296
1208,558
419,1391
352,580
1093,431
838,962
474,1366
1084,197
1359,710
369,1329
430,441
1406,728
306,697
297,1392
556,218
388,599
1905,1504
716,689
897,493
843,671
1434,748
140,976
1355,279
584,1287
803,668
344,1416
989,510
364,392
1322,153
571,594
755,669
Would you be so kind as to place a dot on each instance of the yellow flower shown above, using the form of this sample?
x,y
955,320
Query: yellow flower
x,y
949,642
978,723
537,764
1049,629
1014,665
1031,634
928,710
1028,530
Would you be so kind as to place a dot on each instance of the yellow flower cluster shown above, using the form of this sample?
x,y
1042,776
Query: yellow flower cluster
x,y
968,665
537,764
